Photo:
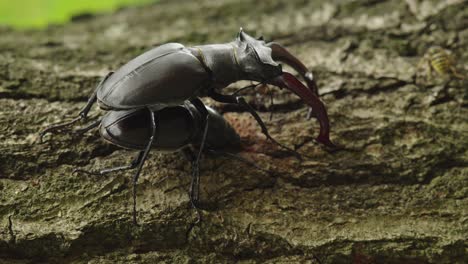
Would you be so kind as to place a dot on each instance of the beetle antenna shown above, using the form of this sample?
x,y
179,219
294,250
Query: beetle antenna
x,y
245,88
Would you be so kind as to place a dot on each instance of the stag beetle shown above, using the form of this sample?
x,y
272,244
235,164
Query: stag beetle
x,y
177,128
172,73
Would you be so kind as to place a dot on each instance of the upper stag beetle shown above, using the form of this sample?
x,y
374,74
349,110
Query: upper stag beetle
x,y
179,127
171,73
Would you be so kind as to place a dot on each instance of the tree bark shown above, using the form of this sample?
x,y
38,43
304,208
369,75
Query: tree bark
x,y
396,193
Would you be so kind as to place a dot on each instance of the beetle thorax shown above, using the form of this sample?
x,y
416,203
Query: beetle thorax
x,y
222,61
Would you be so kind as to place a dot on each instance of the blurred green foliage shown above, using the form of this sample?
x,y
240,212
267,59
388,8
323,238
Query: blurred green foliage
x,y
40,13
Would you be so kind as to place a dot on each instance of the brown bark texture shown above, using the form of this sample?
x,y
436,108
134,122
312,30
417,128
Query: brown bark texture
x,y
396,193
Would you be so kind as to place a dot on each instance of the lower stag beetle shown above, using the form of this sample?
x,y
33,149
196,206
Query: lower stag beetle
x,y
177,128
172,73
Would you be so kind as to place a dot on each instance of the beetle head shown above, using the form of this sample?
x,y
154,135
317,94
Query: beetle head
x,y
257,61
255,58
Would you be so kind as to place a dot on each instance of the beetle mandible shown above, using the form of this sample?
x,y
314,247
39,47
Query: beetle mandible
x,y
172,73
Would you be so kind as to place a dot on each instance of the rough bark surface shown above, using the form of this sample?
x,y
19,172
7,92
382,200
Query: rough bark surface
x,y
397,193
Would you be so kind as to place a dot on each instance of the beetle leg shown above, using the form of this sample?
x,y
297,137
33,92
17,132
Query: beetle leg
x,y
272,102
57,127
131,166
141,162
239,100
195,185
83,114
288,81
188,153
85,129
197,162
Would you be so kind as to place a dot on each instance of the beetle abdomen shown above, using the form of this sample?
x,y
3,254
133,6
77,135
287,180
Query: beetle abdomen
x,y
176,127
131,129
220,134
440,62
166,75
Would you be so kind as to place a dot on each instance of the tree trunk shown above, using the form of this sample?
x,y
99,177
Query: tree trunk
x,y
396,192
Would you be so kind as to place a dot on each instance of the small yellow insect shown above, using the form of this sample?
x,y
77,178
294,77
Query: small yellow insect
x,y
441,61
